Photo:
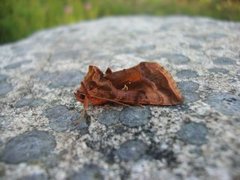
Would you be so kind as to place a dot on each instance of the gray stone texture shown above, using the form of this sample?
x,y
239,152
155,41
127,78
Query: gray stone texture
x,y
109,117
28,146
29,102
17,64
131,150
135,116
61,79
224,61
189,90
60,118
46,134
89,172
5,87
186,74
34,177
193,133
225,103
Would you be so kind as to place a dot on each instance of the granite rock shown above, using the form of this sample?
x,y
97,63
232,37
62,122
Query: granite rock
x,y
61,119
35,177
28,146
187,74
5,87
218,70
3,77
135,116
174,58
109,117
189,90
88,172
17,64
30,102
224,61
225,103
188,86
131,150
61,79
193,133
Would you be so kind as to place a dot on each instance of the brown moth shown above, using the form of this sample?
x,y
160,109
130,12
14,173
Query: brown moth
x,y
147,83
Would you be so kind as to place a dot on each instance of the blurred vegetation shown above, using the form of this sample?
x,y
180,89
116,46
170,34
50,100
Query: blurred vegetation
x,y
19,18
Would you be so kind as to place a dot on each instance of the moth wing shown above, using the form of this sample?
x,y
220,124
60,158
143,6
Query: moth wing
x,y
164,82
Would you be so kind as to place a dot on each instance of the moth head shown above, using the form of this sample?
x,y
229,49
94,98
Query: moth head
x,y
80,96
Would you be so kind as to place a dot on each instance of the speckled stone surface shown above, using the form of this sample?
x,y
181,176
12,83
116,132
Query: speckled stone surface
x,y
45,135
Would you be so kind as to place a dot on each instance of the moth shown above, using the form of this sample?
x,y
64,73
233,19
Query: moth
x,y
147,83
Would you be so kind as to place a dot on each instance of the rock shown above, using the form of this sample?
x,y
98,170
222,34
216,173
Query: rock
x,y
159,153
66,79
35,177
225,103
193,133
215,36
5,88
2,170
65,55
51,161
31,102
174,58
131,150
17,64
188,86
189,91
238,75
4,122
187,74
61,119
218,70
61,79
190,97
3,77
88,172
195,46
135,116
224,61
109,117
28,146
144,48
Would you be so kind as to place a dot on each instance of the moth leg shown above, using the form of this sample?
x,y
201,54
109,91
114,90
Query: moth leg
x,y
86,103
86,100
85,88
